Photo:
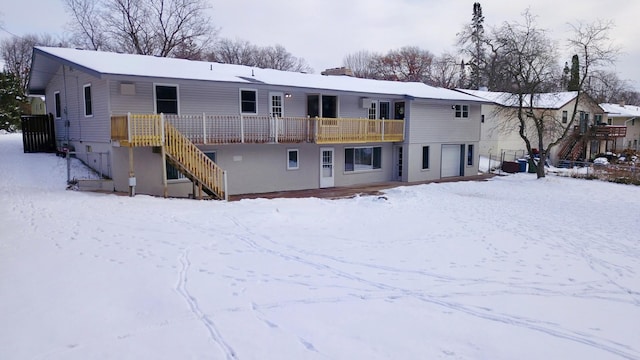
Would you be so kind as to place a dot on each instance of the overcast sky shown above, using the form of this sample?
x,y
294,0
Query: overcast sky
x,y
324,31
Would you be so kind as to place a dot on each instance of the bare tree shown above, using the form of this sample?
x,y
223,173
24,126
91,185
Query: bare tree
x,y
16,52
168,28
240,52
530,65
606,87
445,71
88,27
277,57
406,64
361,63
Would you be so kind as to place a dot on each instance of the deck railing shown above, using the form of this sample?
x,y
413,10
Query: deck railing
x,y
144,129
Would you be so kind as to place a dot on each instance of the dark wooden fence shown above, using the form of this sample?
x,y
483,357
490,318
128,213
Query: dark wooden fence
x,y
38,133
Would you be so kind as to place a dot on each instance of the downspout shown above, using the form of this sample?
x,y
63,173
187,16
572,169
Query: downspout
x,y
67,123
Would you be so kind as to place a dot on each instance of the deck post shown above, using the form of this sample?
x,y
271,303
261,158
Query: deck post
x,y
129,127
224,184
132,178
382,129
275,119
241,129
204,128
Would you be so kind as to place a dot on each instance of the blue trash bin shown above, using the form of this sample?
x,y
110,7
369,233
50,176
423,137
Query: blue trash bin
x,y
522,164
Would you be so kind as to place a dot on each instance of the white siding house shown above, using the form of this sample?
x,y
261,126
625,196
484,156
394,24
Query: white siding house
x,y
265,130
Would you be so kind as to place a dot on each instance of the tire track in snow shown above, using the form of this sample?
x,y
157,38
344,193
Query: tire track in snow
x,y
531,324
181,288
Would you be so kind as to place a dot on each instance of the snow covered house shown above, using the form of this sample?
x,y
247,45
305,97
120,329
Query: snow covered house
x,y
174,127
627,116
500,133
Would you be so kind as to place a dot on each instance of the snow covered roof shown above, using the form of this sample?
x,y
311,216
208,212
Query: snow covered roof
x,y
47,59
619,110
554,100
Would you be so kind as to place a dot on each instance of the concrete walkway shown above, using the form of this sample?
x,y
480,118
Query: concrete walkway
x,y
351,191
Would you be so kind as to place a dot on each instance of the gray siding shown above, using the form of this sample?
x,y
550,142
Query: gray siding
x,y
435,122
70,84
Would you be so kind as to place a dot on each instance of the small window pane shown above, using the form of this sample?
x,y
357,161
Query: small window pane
x,y
348,159
57,101
292,159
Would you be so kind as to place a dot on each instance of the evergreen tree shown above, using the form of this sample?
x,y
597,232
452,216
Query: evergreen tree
x,y
574,78
11,97
477,36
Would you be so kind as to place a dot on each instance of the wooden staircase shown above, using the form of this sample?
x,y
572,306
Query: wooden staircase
x,y
193,163
146,130
572,148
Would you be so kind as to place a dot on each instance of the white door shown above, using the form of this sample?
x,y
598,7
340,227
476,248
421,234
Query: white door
x,y
276,104
326,167
451,160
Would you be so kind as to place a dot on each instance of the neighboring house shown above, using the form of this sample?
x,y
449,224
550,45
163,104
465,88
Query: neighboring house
x,y
629,117
500,129
35,105
165,126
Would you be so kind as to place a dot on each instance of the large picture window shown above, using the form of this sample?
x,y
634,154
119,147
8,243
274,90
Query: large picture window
x,y
362,158
88,110
166,99
248,101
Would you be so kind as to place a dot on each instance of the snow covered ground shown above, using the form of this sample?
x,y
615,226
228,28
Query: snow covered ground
x,y
512,268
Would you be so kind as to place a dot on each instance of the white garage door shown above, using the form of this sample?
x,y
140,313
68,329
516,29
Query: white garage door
x,y
451,160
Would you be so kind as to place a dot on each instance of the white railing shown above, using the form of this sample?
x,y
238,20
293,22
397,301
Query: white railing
x,y
229,129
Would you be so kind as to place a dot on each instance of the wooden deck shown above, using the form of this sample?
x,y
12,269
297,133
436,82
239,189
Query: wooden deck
x,y
352,191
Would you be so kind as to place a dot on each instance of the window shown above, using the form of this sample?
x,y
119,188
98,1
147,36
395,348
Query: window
x,y
597,118
425,157
462,111
292,159
173,173
609,121
362,158
373,110
166,99
56,95
385,107
248,101
482,118
88,111
325,106
399,110
211,155
469,155
565,116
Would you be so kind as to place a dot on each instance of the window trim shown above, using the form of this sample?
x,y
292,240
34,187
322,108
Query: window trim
x,y
373,159
155,97
255,92
84,98
57,104
288,159
428,153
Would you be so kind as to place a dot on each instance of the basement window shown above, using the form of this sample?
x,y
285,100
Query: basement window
x,y
293,159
